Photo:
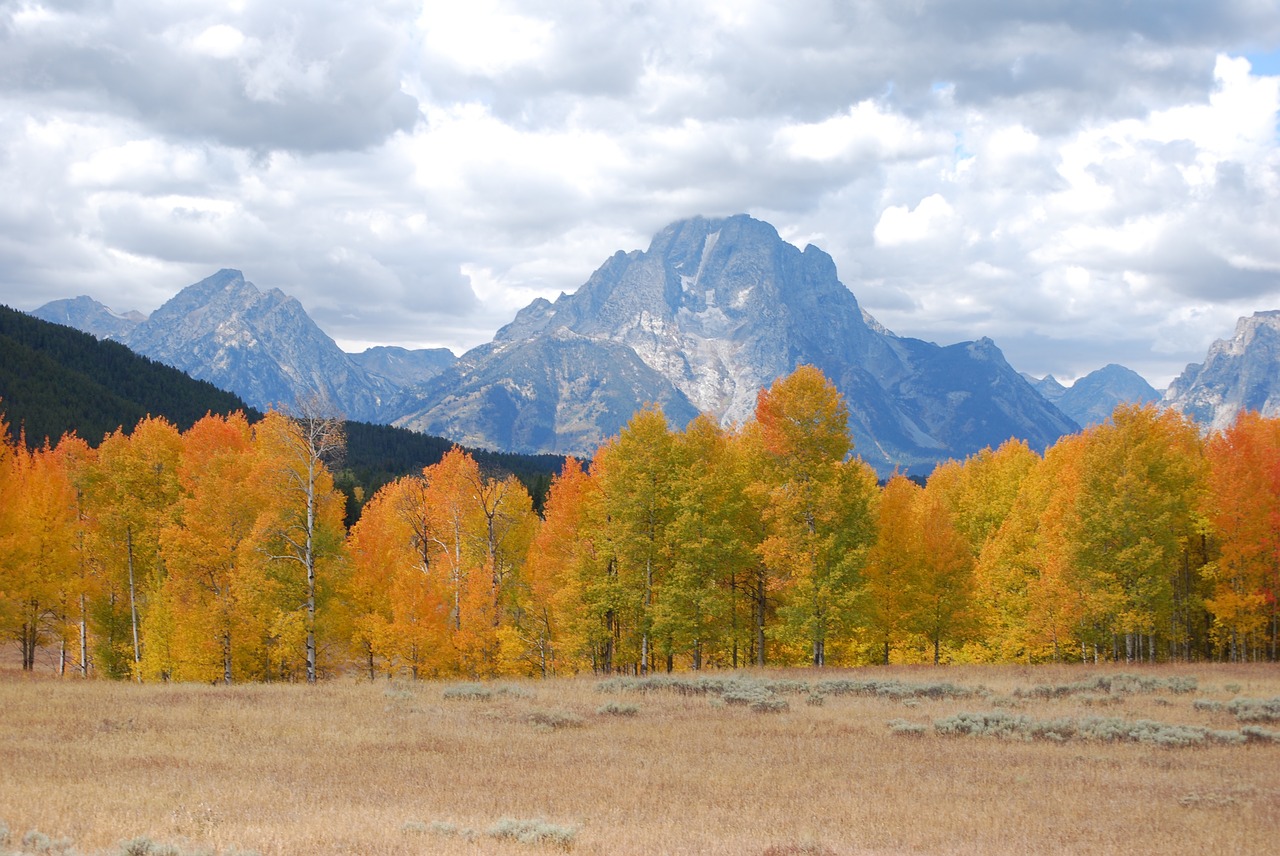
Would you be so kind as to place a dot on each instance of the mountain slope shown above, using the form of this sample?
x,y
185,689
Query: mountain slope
x,y
54,379
716,310
1240,373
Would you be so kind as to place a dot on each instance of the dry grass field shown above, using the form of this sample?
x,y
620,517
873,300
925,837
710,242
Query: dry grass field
x,y
854,765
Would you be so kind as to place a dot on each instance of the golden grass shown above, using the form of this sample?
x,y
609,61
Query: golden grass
x,y
355,768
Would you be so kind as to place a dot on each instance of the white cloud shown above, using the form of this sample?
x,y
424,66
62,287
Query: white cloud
x,y
481,36
932,217
1084,183
221,41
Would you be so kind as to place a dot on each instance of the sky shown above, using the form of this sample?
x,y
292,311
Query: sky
x,y
1083,181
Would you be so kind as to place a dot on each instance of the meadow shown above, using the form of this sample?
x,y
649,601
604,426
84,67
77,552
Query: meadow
x,y
945,760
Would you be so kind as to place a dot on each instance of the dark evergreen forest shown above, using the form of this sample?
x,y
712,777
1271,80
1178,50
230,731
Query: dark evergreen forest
x,y
55,380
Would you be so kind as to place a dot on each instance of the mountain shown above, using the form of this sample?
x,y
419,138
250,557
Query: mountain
x,y
1048,386
1240,373
402,366
54,379
261,345
712,312
1092,398
87,314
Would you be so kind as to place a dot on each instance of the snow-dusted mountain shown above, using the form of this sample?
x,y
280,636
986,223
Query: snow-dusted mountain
x,y
1240,373
1092,398
712,312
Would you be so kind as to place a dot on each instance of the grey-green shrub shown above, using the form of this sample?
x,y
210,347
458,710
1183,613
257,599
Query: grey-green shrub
x,y
473,691
554,719
143,846
533,832
906,728
770,704
613,708
1255,709
1108,729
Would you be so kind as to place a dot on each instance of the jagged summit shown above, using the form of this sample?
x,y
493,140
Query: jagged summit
x,y
261,345
714,310
1237,374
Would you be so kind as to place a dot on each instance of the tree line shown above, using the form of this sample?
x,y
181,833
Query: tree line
x,y
220,553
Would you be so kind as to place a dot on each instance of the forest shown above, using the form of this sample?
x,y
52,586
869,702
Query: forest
x,y
220,553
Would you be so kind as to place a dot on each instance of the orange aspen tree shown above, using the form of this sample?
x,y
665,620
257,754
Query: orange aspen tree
x,y
553,595
212,579
399,587
38,561
892,568
944,602
1240,505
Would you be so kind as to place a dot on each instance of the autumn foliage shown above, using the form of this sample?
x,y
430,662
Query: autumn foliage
x,y
219,553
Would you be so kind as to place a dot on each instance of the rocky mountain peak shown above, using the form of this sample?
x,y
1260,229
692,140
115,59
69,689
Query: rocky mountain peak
x,y
1238,374
714,310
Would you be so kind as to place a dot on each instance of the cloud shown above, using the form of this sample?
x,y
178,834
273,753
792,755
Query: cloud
x,y
900,225
1081,181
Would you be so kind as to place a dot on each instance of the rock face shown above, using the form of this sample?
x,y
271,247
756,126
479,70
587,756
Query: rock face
x,y
1240,373
90,316
711,313
1092,398
260,345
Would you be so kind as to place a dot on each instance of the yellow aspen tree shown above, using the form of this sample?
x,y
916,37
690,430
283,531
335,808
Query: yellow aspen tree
x,y
820,507
1142,478
300,533
131,494
635,474
714,534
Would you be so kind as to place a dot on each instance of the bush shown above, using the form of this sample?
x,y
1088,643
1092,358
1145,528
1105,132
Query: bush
x,y
143,846
1255,709
533,832
906,728
466,692
770,705
613,708
472,691
1107,729
554,719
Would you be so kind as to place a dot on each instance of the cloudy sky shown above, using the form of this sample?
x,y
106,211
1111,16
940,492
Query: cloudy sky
x,y
1084,181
